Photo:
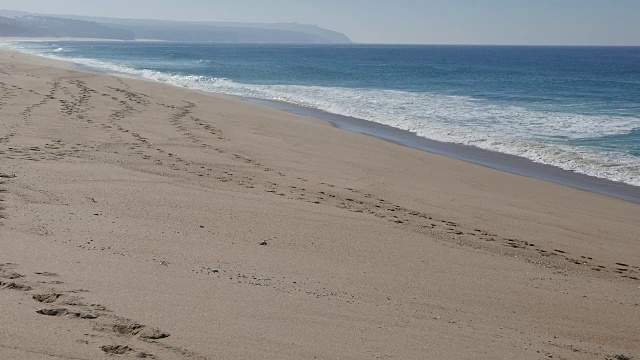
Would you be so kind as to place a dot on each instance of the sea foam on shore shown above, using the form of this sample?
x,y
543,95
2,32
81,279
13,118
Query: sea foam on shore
x,y
595,144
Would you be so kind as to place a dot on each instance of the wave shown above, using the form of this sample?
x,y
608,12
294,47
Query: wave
x,y
542,136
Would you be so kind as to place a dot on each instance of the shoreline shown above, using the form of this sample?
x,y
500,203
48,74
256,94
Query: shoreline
x,y
147,220
495,160
492,159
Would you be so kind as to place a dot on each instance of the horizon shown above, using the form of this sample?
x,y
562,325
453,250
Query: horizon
x,y
406,22
62,39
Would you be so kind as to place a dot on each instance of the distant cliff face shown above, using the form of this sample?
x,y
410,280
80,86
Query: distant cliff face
x,y
17,24
47,26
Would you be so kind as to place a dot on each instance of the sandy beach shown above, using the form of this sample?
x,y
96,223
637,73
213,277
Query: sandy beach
x,y
143,220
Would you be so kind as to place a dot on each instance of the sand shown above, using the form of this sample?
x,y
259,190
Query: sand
x,y
143,220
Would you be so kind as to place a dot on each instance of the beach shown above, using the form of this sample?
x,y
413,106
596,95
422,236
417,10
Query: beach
x,y
144,220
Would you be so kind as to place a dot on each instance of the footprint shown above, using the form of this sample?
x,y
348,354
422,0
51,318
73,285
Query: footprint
x,y
64,312
8,274
14,286
116,349
127,327
47,298
52,312
153,334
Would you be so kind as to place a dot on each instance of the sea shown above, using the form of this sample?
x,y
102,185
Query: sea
x,y
572,108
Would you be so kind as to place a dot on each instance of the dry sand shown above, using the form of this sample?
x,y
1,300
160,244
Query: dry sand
x,y
146,220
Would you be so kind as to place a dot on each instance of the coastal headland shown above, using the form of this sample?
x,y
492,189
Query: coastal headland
x,y
143,220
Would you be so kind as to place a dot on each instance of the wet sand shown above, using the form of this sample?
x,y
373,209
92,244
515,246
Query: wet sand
x,y
142,220
495,160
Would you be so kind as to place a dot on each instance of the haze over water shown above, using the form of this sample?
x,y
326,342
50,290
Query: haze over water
x,y
577,108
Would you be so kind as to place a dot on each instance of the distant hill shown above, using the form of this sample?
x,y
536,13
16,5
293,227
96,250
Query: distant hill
x,y
47,26
21,24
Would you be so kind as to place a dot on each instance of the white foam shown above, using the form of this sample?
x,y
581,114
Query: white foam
x,y
540,136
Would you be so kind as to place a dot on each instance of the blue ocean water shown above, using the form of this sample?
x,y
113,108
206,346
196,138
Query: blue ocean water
x,y
577,108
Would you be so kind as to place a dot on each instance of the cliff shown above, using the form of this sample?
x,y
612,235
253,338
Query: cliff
x,y
14,24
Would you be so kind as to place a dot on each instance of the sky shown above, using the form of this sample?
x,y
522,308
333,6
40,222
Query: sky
x,y
504,22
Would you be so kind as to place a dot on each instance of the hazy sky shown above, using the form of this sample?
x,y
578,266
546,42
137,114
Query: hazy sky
x,y
562,22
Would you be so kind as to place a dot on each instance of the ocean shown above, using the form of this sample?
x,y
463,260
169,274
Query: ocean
x,y
574,108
